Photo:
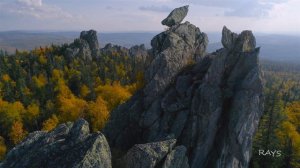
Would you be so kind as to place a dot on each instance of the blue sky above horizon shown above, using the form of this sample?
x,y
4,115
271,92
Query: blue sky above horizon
x,y
264,16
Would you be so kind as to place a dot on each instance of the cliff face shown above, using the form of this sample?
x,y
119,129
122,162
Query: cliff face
x,y
196,110
212,108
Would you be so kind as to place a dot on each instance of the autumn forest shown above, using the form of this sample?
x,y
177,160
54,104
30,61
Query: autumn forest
x,y
43,88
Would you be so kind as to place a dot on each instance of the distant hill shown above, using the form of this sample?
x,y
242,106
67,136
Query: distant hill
x,y
28,40
273,47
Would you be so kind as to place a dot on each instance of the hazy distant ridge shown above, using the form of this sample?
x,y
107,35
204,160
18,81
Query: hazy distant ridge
x,y
273,47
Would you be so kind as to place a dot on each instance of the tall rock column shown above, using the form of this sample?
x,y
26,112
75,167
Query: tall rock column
x,y
180,45
212,107
91,38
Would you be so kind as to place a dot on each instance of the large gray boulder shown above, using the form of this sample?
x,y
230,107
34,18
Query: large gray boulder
x,y
69,145
147,155
176,16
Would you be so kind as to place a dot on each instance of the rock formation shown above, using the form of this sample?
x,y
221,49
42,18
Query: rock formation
x,y
173,49
86,47
91,38
141,57
147,155
212,108
140,53
69,145
197,110
176,16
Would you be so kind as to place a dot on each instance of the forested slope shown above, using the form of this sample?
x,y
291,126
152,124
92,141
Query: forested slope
x,y
44,87
279,128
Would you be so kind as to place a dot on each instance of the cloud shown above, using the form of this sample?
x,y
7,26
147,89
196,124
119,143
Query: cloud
x,y
31,2
250,9
240,8
33,8
153,8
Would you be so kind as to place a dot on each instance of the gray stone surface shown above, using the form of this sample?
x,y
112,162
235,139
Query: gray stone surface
x,y
91,38
196,110
176,16
110,49
228,38
211,107
86,47
69,145
147,155
177,158
173,50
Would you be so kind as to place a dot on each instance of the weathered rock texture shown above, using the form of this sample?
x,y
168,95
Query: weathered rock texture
x,y
147,155
212,108
196,110
176,16
87,46
69,145
173,50
91,38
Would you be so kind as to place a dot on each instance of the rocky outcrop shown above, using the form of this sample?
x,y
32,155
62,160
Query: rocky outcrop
x,y
91,38
110,49
69,145
86,47
210,103
147,155
173,49
140,53
177,158
196,110
176,16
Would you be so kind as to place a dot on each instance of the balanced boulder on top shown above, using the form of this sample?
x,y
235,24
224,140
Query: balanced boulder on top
x,y
176,16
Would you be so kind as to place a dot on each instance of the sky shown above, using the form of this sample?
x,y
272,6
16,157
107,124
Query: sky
x,y
263,16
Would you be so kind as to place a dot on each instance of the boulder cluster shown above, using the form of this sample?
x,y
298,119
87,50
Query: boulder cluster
x,y
197,109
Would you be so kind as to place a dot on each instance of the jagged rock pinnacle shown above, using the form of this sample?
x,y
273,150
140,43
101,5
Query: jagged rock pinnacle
x,y
176,16
191,112
91,38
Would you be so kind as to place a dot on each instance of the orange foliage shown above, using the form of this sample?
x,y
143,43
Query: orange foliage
x,y
84,91
17,133
42,59
2,148
10,112
113,94
70,107
98,114
32,112
50,123
40,80
6,78
288,132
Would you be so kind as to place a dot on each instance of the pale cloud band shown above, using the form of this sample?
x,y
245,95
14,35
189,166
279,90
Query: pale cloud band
x,y
33,8
239,8
145,15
